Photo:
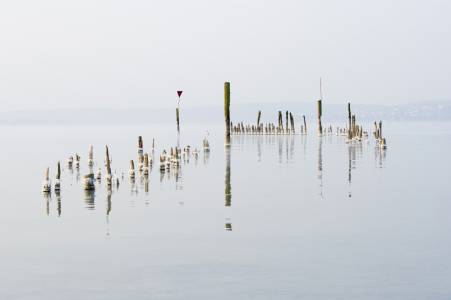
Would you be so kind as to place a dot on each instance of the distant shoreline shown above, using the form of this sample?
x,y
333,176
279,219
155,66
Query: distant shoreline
x,y
434,110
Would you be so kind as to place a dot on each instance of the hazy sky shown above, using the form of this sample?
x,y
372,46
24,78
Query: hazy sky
x,y
117,54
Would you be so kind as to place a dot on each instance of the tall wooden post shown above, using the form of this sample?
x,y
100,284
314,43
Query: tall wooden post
x,y
320,127
227,107
228,185
349,116
305,126
59,172
177,117
108,168
380,130
286,119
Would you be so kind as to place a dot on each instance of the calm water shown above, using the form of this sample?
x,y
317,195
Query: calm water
x,y
276,217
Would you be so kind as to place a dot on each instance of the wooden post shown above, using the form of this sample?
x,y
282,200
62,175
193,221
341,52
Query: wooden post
x,y
349,112
320,127
380,129
305,126
375,135
108,168
59,172
286,119
153,143
177,117
227,107
90,153
47,174
258,119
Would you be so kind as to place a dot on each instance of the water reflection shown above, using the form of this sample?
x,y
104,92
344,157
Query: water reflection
x,y
58,202
146,185
228,185
47,199
77,174
132,185
320,164
280,139
88,197
108,201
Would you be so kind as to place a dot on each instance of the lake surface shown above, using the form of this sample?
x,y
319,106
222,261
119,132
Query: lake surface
x,y
272,217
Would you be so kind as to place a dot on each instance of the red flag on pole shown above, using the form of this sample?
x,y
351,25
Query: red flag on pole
x,y
179,93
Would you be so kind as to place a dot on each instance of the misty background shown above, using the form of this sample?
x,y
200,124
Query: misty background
x,y
101,56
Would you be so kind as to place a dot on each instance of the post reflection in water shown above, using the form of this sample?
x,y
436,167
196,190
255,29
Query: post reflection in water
x,y
228,186
146,185
206,157
58,202
108,201
280,148
161,176
77,174
259,150
88,197
286,147
132,185
320,163
47,199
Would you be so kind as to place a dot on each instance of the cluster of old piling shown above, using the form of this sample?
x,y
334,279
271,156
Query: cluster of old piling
x,y
269,128
167,161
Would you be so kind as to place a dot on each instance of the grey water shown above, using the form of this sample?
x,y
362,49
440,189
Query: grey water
x,y
270,217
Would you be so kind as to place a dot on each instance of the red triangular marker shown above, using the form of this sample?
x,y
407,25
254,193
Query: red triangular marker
x,y
179,92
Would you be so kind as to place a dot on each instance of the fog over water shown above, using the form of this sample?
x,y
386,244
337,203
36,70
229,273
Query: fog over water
x,y
271,217
280,216
137,54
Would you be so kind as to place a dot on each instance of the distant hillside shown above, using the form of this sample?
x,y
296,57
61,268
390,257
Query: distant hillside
x,y
438,110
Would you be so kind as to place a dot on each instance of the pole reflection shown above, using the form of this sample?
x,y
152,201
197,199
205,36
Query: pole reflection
x,y
320,164
47,199
88,197
58,202
228,185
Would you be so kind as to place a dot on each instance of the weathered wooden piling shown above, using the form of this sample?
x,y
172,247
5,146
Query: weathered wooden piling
x,y
227,107
90,161
383,143
258,119
305,126
58,175
47,184
376,136
349,117
146,163
286,119
320,127
380,129
177,118
132,169
108,167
